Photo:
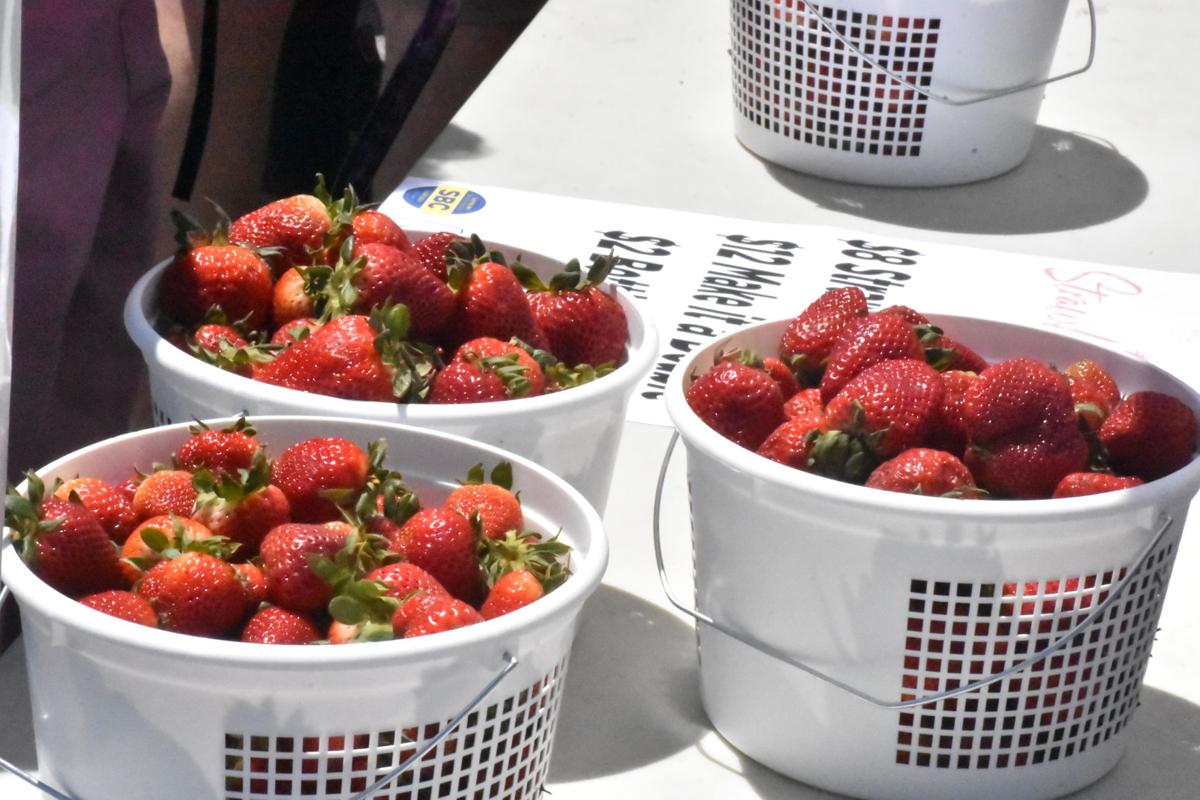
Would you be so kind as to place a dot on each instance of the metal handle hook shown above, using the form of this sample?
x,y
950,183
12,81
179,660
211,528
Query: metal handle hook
x,y
1114,593
812,11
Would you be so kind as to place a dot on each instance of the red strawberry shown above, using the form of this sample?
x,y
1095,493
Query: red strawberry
x,y
214,337
803,402
1078,484
413,606
294,330
225,348
372,275
1149,434
485,370
254,582
374,227
443,615
242,508
195,593
498,508
1094,391
207,272
443,543
875,338
911,316
741,403
296,225
106,501
490,301
157,538
886,409
920,470
63,542
1016,395
288,553
791,443
310,470
290,299
433,250
124,605
513,590
275,625
167,491
403,578
949,428
945,354
1029,462
583,324
808,339
357,358
221,452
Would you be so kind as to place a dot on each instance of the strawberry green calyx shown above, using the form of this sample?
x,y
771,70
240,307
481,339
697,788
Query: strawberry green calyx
x,y
232,489
337,293
501,475
849,454
571,278
366,605
180,542
232,358
464,255
559,375
413,363
242,425
341,211
21,515
544,558
359,555
509,369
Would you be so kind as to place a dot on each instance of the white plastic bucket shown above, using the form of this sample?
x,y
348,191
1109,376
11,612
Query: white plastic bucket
x,y
573,433
893,92
830,612
121,711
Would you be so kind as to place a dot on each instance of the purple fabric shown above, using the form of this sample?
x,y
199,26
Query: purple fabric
x,y
94,82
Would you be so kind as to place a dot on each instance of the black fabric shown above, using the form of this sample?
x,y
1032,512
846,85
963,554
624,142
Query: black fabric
x,y
193,146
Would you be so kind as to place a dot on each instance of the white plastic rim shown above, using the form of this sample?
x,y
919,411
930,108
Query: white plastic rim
x,y
835,125
232,688
864,572
574,433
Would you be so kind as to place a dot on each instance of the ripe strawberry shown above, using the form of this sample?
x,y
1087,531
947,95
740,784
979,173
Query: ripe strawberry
x,y
212,338
294,330
374,227
275,625
945,354
157,538
1149,434
875,338
808,339
63,542
791,443
208,272
413,606
490,301
498,508
221,452
403,578
432,251
513,590
296,226
289,298
166,491
485,370
376,274
195,593
1078,484
224,347
124,605
1094,391
1030,462
287,554
921,470
314,472
443,543
1016,395
909,315
444,614
741,403
254,582
242,507
583,324
805,401
357,358
886,409
106,501
949,428
527,550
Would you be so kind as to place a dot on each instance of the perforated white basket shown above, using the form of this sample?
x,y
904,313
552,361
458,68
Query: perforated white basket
x,y
899,647
122,711
893,92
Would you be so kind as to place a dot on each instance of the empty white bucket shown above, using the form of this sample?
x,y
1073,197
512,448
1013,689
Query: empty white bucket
x,y
830,612
893,92
123,711
574,433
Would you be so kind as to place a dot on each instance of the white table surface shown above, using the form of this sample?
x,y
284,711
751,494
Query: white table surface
x,y
629,101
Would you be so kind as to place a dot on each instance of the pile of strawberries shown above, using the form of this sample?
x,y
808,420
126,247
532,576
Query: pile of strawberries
x,y
323,543
888,400
326,296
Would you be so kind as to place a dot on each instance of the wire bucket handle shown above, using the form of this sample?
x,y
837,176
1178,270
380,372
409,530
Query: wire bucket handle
x,y
510,663
812,10
1114,594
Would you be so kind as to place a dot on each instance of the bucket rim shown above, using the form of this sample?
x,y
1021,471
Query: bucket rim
x,y
164,358
1180,484
590,559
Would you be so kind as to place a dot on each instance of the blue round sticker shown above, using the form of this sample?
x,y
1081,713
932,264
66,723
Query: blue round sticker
x,y
444,199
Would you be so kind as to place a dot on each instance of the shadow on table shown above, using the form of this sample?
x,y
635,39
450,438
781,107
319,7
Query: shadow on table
x,y
16,716
455,142
1161,761
1069,181
632,696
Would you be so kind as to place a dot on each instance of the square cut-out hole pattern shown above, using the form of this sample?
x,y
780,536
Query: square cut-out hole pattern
x,y
792,78
1078,697
501,750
